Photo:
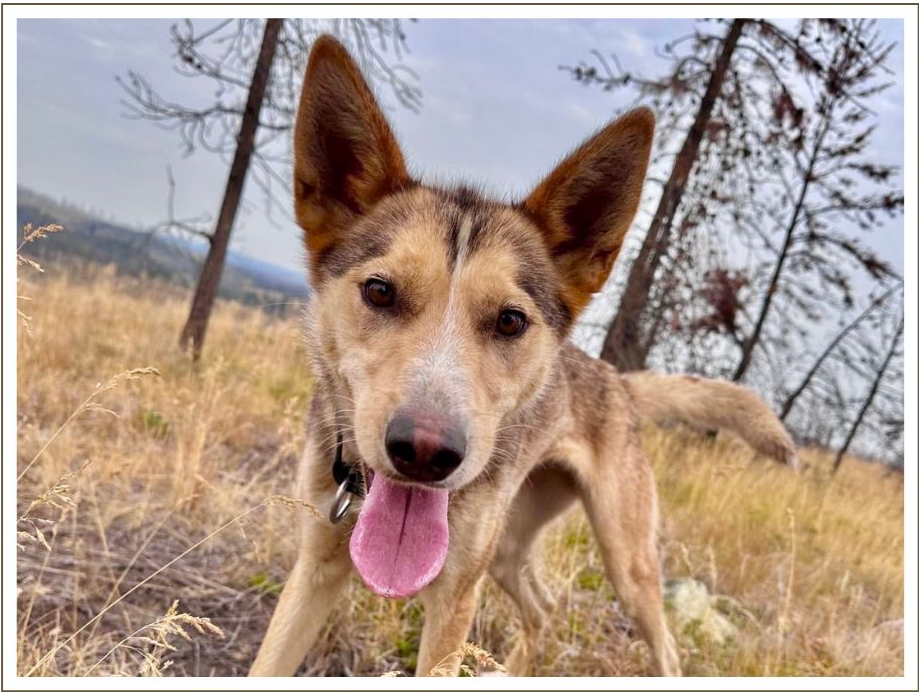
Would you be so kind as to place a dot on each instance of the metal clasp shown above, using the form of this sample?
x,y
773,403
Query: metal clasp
x,y
342,502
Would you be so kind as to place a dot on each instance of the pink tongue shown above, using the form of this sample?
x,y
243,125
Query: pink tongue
x,y
399,543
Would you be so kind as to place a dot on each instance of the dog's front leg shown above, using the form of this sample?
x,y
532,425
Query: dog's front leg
x,y
448,614
308,597
317,579
450,600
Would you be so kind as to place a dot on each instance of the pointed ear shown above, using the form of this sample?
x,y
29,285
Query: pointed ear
x,y
586,205
345,155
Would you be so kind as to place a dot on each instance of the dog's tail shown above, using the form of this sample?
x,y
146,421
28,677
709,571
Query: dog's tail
x,y
711,405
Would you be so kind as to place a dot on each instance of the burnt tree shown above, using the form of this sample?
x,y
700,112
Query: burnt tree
x,y
830,348
255,67
202,303
733,99
624,345
834,143
869,398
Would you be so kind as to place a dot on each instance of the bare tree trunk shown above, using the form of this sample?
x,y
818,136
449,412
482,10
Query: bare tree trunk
x,y
870,398
208,282
624,346
790,401
749,344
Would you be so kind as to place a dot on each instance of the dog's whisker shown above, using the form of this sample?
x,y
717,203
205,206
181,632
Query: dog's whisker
x,y
332,439
338,432
516,426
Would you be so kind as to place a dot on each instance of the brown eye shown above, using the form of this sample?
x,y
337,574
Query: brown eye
x,y
511,323
379,293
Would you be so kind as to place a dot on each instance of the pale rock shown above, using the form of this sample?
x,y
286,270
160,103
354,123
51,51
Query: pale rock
x,y
695,612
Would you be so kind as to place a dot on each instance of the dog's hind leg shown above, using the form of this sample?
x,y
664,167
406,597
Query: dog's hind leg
x,y
622,507
544,495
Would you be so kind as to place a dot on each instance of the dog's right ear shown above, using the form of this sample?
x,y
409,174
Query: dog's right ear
x,y
345,155
586,205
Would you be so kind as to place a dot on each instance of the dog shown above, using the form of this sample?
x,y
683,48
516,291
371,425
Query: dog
x,y
448,391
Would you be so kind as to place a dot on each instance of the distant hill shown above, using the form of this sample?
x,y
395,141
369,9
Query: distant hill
x,y
89,238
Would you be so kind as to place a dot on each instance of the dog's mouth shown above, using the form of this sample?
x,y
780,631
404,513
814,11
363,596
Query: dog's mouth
x,y
399,544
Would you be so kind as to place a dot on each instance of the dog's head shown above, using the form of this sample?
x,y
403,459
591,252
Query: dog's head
x,y
439,312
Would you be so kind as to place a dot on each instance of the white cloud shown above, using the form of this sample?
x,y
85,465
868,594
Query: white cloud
x,y
98,43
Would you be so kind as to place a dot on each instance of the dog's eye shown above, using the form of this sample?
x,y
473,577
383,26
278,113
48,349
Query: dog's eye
x,y
511,323
378,293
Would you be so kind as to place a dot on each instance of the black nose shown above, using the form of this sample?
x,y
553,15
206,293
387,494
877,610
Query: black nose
x,y
424,447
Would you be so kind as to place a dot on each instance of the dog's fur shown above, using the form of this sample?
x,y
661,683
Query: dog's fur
x,y
546,424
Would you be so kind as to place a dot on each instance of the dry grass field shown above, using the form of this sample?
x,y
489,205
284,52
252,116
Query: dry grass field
x,y
153,543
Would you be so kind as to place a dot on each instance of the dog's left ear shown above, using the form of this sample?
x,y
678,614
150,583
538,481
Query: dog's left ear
x,y
586,205
346,158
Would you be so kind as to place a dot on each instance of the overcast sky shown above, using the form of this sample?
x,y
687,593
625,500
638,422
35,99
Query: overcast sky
x,y
497,111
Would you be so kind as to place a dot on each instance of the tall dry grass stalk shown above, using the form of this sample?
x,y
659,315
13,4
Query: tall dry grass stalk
x,y
30,235
172,507
472,659
91,404
156,636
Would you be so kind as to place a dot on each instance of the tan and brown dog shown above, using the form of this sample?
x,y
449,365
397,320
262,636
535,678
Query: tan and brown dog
x,y
438,335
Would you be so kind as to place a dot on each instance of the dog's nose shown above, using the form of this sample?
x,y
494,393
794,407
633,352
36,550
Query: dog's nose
x,y
424,447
